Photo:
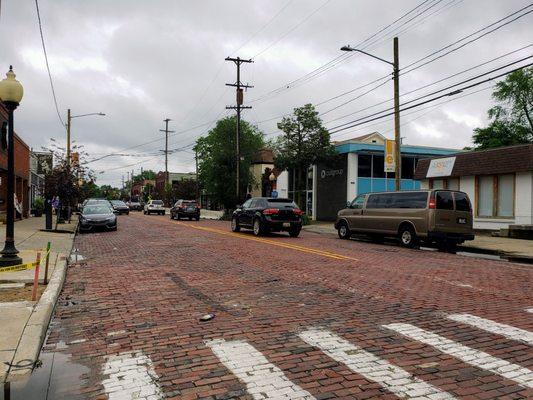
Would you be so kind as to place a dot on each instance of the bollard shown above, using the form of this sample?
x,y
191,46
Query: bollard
x,y
46,265
36,277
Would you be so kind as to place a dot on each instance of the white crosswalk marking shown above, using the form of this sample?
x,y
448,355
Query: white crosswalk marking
x,y
466,354
391,377
131,376
263,380
507,331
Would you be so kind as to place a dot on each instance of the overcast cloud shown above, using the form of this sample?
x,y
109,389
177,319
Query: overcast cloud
x,y
141,62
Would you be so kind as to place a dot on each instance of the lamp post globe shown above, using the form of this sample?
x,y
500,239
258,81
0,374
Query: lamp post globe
x,y
11,92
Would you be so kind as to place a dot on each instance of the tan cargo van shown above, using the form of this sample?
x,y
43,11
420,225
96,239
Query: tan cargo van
x,y
439,216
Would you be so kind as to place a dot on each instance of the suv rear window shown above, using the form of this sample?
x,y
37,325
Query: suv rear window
x,y
189,203
281,203
157,202
444,201
462,203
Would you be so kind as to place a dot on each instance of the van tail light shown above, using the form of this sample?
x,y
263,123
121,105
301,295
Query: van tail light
x,y
271,211
432,202
297,211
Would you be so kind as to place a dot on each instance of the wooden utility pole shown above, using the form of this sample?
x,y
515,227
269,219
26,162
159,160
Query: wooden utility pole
x,y
166,148
240,98
69,119
397,137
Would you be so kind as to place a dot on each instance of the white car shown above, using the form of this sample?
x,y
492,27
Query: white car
x,y
154,206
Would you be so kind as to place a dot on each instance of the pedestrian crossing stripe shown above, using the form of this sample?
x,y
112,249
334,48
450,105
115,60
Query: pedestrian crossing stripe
x,y
393,378
466,354
510,332
263,380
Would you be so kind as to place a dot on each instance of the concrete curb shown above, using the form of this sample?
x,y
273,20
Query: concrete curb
x,y
34,333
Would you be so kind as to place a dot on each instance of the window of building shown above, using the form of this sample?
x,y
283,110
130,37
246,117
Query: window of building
x,y
378,166
449,183
452,184
364,165
495,196
408,167
437,184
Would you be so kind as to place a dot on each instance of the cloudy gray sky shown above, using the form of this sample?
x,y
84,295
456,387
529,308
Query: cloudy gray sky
x,y
141,62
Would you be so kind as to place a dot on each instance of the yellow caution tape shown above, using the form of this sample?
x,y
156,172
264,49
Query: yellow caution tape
x,y
22,267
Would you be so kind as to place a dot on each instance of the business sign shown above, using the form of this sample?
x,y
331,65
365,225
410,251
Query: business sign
x,y
44,163
390,155
330,173
440,167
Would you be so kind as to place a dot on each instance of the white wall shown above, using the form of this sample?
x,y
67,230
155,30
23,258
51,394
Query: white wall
x,y
351,178
524,198
282,184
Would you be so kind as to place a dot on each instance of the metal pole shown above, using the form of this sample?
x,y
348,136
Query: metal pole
x,y
238,138
398,152
69,119
166,152
9,253
197,182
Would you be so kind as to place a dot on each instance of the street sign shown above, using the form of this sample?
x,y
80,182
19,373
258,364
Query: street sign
x,y
274,194
390,160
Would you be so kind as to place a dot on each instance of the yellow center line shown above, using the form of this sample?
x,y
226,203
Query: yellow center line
x,y
272,242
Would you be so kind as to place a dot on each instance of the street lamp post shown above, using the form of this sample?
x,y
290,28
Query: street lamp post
x,y
272,179
396,77
69,124
11,92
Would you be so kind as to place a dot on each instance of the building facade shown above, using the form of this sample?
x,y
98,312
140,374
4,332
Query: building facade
x,y
498,181
22,171
358,168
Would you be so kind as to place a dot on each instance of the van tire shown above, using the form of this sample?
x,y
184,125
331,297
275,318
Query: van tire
x,y
407,236
343,230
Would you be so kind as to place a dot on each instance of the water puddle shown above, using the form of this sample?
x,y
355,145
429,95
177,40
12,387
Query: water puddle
x,y
56,378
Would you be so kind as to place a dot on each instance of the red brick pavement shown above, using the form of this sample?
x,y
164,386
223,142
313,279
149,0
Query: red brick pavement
x,y
148,283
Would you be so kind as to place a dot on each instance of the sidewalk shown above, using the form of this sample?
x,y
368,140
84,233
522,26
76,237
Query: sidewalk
x,y
511,249
24,323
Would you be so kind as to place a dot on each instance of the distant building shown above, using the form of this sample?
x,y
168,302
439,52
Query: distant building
x,y
40,164
498,181
22,171
359,168
173,178
146,186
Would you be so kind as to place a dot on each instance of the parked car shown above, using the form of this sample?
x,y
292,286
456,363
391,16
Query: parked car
x,y
97,216
264,214
135,206
120,207
186,209
433,216
154,206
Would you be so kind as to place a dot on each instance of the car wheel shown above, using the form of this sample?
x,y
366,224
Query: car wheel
x,y
407,236
258,229
197,218
163,213
235,225
343,230
294,232
190,218
144,212
128,213
179,217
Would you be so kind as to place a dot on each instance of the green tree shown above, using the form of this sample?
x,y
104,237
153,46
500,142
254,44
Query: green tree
x,y
305,142
512,118
217,160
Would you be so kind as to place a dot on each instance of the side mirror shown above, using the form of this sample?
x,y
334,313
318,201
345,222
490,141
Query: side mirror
x,y
348,204
238,206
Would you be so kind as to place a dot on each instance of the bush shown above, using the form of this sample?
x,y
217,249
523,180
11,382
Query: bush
x,y
38,204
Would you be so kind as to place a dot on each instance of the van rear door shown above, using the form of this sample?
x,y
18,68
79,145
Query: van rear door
x,y
463,213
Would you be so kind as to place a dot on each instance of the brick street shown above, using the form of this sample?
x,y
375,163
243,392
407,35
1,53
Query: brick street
x,y
313,317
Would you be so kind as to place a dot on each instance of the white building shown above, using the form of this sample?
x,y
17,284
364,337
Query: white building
x,y
498,181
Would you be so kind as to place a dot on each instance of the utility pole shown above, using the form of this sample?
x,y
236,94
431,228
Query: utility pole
x,y
238,61
69,119
397,137
166,148
197,182
131,187
122,181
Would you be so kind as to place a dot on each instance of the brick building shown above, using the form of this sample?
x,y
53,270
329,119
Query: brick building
x,y
22,172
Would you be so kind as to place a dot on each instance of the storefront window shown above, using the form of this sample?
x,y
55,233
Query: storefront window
x,y
505,195
485,196
378,166
408,167
364,165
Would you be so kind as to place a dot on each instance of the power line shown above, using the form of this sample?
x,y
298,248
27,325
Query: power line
x,y
365,120
432,83
47,64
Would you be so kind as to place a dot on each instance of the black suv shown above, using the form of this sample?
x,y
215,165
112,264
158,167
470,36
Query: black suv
x,y
264,214
185,208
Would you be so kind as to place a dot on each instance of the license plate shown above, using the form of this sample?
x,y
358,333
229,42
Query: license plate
x,y
461,220
286,224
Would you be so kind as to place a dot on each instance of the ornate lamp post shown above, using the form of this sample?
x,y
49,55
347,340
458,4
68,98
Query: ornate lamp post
x,y
11,93
272,179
